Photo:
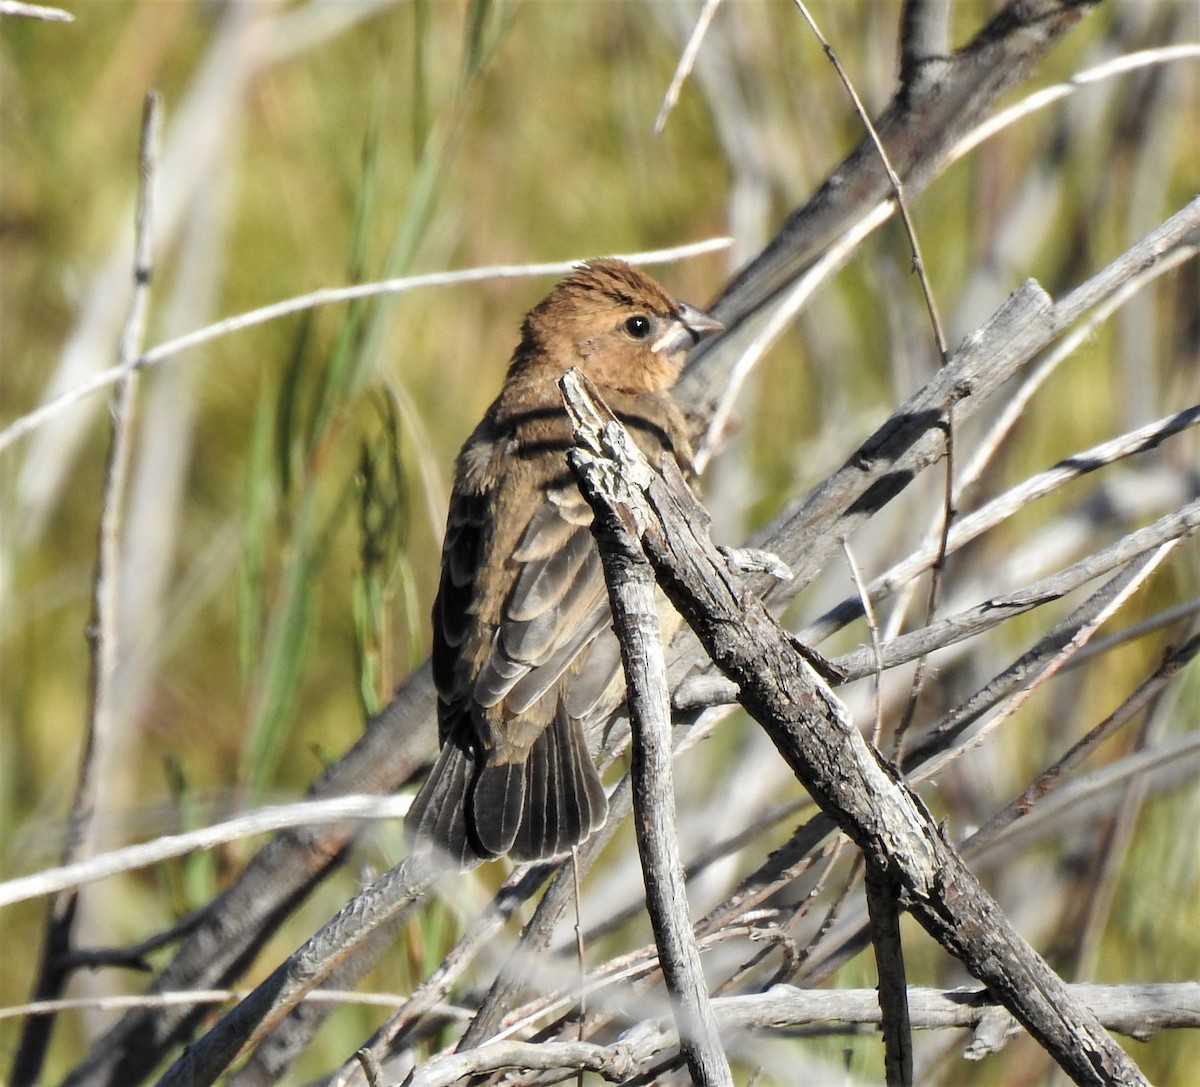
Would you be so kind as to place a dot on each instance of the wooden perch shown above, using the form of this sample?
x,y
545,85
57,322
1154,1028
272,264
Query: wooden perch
x,y
813,731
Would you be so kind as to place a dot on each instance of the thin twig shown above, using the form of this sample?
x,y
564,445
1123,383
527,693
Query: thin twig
x,y
1166,531
429,996
883,907
873,629
1050,778
686,63
836,255
1003,506
95,767
1171,765
580,948
303,813
1139,570
1014,407
910,229
370,1067
1047,96
35,11
383,903
324,297
1019,673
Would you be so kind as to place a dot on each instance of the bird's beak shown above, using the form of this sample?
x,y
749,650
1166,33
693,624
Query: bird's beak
x,y
688,329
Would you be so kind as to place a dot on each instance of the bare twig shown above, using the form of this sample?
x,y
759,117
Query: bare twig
x,y
1165,531
686,62
918,129
1046,96
1130,581
988,516
631,594
99,739
893,178
35,11
610,1062
384,903
883,906
1135,1010
1171,764
325,297
1050,654
332,810
429,996
873,628
580,944
370,1067
1172,664
1006,419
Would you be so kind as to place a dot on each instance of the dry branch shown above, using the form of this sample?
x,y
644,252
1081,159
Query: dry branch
x,y
631,595
847,778
381,907
101,735
1134,1010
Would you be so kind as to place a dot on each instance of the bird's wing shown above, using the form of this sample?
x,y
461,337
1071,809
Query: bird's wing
x,y
502,640
501,649
556,606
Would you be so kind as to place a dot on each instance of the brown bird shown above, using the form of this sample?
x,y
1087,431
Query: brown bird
x,y
522,597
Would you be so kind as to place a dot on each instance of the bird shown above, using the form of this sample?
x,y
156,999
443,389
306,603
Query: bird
x,y
521,605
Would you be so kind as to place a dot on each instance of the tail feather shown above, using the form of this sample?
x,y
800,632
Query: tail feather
x,y
438,814
538,833
530,810
496,805
564,799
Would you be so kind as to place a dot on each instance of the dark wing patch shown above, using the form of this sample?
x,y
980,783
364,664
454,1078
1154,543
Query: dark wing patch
x,y
456,591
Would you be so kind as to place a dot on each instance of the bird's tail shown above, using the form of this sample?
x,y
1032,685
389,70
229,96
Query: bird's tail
x,y
530,809
436,817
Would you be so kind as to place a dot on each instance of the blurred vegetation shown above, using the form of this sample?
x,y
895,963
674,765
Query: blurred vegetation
x,y
290,479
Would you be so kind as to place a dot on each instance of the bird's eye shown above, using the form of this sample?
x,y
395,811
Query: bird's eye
x,y
638,326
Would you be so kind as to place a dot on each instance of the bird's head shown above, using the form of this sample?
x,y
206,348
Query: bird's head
x,y
615,323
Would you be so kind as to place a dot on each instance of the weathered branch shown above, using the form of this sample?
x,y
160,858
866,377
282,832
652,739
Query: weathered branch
x,y
381,906
946,97
1137,1011
883,907
846,777
631,594
1174,526
280,875
992,513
